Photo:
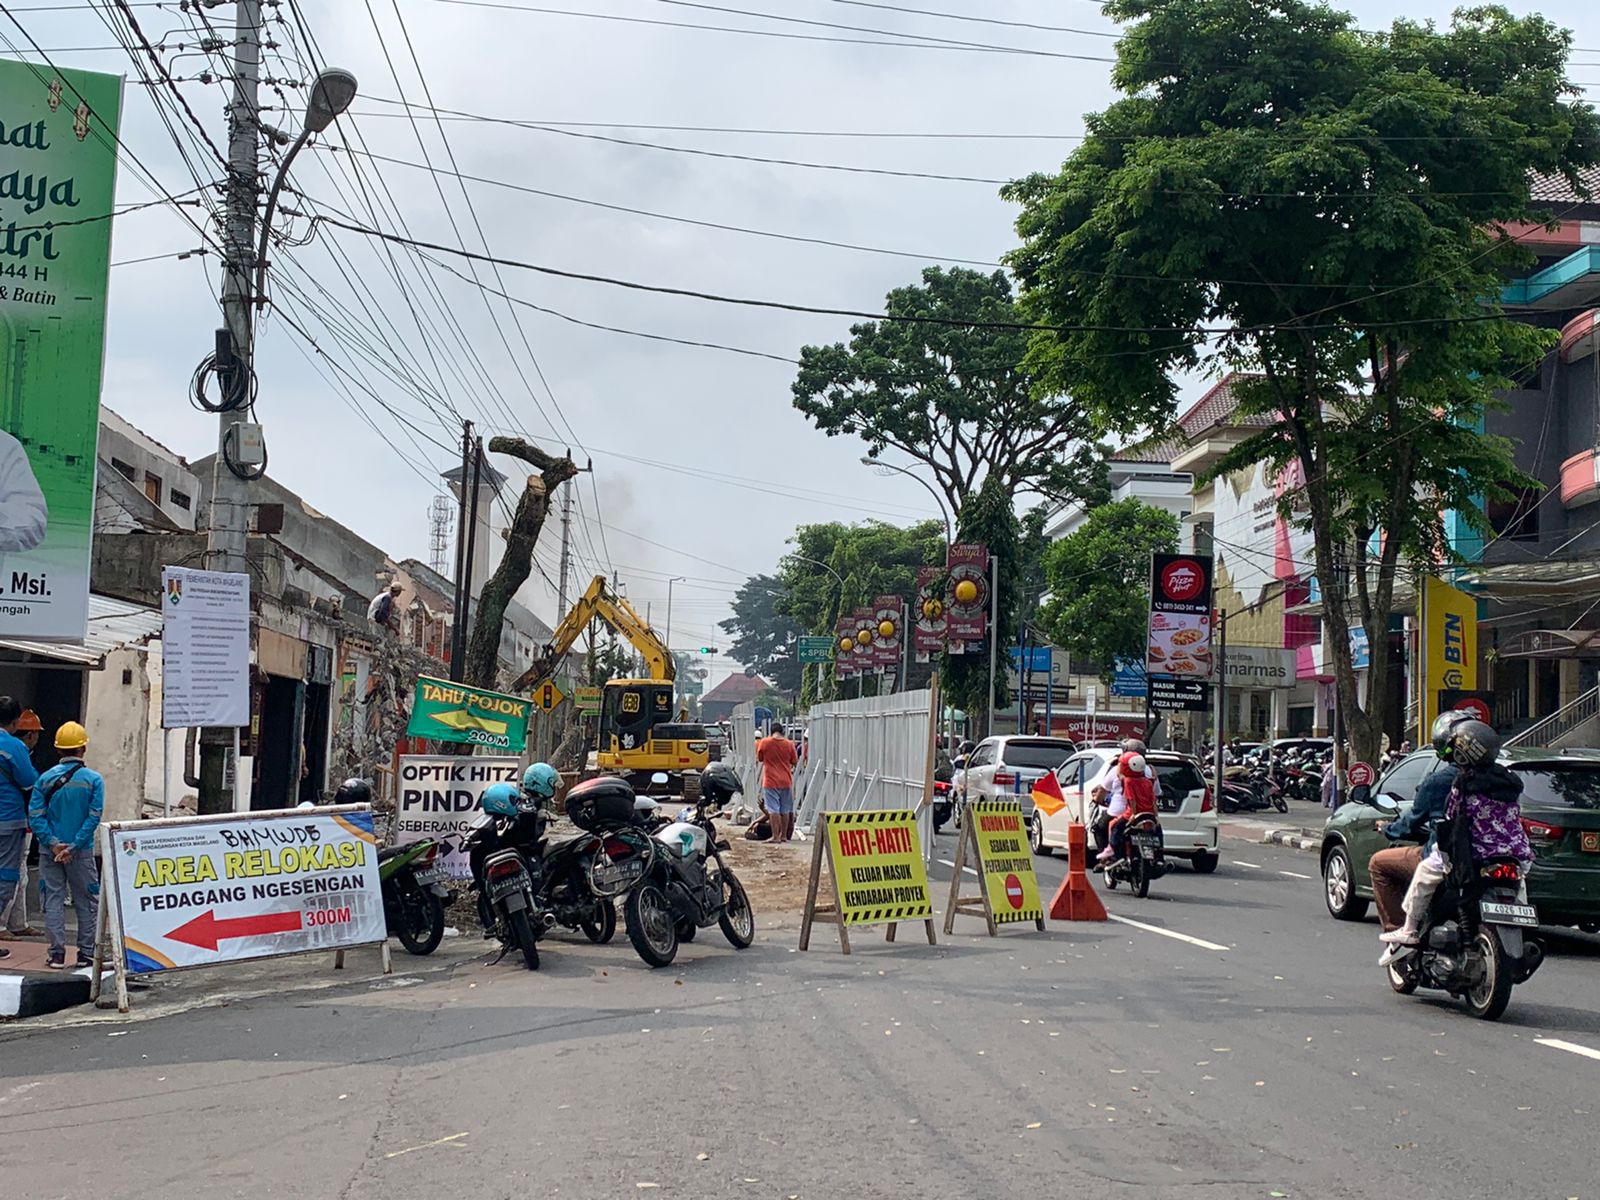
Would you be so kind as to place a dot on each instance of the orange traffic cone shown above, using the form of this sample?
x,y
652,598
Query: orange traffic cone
x,y
1075,899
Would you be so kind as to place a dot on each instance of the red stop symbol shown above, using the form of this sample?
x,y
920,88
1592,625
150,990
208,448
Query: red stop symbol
x,y
1014,891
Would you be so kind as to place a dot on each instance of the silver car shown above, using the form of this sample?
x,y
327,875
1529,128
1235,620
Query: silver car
x,y
1007,767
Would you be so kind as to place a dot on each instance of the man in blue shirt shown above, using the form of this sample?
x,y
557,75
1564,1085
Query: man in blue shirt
x,y
1392,869
17,778
65,815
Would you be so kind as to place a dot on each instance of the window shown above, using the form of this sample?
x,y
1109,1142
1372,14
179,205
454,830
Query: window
x,y
180,499
152,488
1548,786
1038,754
126,468
1517,519
1403,780
1070,774
983,755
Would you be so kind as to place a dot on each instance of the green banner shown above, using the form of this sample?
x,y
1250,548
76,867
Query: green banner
x,y
587,699
58,137
454,712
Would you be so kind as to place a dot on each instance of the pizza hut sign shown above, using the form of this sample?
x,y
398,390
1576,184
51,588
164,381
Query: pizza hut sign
x,y
1178,645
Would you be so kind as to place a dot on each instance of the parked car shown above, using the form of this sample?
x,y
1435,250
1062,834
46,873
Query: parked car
x,y
1008,766
1560,811
1183,800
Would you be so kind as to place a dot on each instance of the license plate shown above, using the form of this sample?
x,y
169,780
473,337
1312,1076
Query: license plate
x,y
1508,914
431,875
505,885
615,875
1590,841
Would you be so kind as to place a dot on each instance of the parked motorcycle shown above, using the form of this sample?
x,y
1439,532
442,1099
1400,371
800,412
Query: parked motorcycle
x,y
416,888
503,847
1473,942
684,885
1143,858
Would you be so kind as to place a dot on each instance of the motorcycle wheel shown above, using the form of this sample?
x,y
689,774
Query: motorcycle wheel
x,y
686,929
1228,804
1487,999
1279,803
602,926
420,927
1403,981
522,932
738,919
651,926
1140,883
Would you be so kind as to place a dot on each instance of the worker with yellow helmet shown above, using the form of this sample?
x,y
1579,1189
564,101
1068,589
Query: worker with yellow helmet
x,y
64,815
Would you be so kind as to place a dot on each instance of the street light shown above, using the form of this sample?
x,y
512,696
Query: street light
x,y
884,468
817,562
331,93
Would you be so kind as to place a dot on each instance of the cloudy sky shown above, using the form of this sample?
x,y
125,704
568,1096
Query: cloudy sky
x,y
701,466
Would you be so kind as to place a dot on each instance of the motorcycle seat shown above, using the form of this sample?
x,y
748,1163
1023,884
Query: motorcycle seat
x,y
388,852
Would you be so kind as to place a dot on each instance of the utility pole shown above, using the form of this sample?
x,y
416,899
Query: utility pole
x,y
566,547
458,619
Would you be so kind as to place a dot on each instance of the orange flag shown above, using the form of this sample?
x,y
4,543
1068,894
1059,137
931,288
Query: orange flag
x,y
1047,797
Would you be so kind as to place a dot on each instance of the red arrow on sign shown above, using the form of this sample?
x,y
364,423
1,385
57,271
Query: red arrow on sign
x,y
206,931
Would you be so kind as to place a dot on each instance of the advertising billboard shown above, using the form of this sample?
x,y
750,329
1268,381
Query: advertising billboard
x,y
56,197
1179,641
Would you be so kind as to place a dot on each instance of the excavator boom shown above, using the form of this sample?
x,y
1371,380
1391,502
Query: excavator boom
x,y
600,601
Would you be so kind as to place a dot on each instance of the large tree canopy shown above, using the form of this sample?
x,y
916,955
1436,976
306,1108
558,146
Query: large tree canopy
x,y
952,396
1281,192
1099,579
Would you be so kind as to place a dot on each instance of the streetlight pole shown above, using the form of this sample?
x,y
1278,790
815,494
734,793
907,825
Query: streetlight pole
x,y
880,466
667,636
837,578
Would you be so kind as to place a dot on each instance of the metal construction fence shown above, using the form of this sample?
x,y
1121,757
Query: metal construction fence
x,y
741,751
865,754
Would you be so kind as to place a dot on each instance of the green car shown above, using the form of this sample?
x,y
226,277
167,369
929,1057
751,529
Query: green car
x,y
1560,811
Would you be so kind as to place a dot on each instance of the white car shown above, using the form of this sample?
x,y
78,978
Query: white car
x,y
1183,801
1007,767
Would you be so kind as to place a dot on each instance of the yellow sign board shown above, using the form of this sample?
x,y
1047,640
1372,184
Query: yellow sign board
x,y
1449,645
877,864
547,695
1004,860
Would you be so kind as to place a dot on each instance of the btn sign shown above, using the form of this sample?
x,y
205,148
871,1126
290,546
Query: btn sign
x,y
1005,861
877,867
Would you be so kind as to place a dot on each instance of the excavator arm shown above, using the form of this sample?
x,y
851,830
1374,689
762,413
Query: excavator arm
x,y
599,601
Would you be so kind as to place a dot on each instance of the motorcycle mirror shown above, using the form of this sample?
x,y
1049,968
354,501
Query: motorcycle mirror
x,y
1362,794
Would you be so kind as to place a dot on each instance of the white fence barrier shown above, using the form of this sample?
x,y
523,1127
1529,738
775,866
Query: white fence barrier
x,y
865,754
741,754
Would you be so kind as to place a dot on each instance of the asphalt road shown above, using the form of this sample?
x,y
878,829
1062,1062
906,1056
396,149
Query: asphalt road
x,y
1112,1060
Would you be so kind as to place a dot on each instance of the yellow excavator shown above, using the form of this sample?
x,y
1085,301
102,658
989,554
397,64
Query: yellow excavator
x,y
639,734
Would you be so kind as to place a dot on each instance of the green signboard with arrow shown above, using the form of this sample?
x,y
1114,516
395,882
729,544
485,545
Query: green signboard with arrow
x,y
453,712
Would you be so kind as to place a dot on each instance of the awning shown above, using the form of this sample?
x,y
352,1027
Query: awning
x,y
113,624
1553,643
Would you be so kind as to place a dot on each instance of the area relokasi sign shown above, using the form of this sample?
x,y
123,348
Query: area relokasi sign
x,y
198,891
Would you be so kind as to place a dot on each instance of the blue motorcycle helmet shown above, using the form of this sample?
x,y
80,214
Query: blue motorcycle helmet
x,y
502,800
541,780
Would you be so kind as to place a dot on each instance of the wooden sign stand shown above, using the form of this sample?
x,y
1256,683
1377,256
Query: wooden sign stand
x,y
972,906
831,912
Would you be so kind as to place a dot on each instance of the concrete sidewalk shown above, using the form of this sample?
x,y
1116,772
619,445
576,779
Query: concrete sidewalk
x,y
1282,831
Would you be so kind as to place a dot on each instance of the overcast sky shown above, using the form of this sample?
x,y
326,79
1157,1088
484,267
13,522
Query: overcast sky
x,y
719,427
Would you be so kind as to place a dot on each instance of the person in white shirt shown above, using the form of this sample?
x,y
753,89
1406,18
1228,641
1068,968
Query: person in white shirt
x,y
1106,789
23,512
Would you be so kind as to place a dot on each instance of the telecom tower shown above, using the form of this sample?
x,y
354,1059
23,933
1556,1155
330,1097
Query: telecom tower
x,y
439,535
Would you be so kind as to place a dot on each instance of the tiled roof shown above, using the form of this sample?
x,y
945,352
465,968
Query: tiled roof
x,y
1217,408
1554,189
736,689
112,625
1155,452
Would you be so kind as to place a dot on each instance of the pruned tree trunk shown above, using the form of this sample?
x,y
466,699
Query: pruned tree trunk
x,y
482,666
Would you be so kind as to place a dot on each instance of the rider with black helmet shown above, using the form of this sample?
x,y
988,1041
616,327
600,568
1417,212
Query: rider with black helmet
x,y
1392,870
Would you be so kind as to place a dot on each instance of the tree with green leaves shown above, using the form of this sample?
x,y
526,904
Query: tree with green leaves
x,y
763,635
949,395
1099,579
1280,192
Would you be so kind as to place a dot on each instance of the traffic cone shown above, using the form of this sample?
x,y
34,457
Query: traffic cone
x,y
1075,899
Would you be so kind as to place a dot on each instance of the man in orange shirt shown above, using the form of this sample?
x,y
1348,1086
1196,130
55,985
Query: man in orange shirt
x,y
776,755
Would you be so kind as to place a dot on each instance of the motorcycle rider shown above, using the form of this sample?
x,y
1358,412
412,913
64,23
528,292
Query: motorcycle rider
x,y
1106,789
1484,821
1139,795
1392,869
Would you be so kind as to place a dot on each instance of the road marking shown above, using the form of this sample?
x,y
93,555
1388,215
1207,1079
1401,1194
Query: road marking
x,y
454,1137
1294,875
1239,862
1171,933
1569,1047
952,866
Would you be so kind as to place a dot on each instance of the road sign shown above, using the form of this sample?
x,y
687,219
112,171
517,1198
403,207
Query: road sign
x,y
453,712
1177,695
817,649
1360,774
587,699
875,859
547,695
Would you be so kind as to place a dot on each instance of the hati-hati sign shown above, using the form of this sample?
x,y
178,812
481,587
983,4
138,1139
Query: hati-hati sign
x,y
199,891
